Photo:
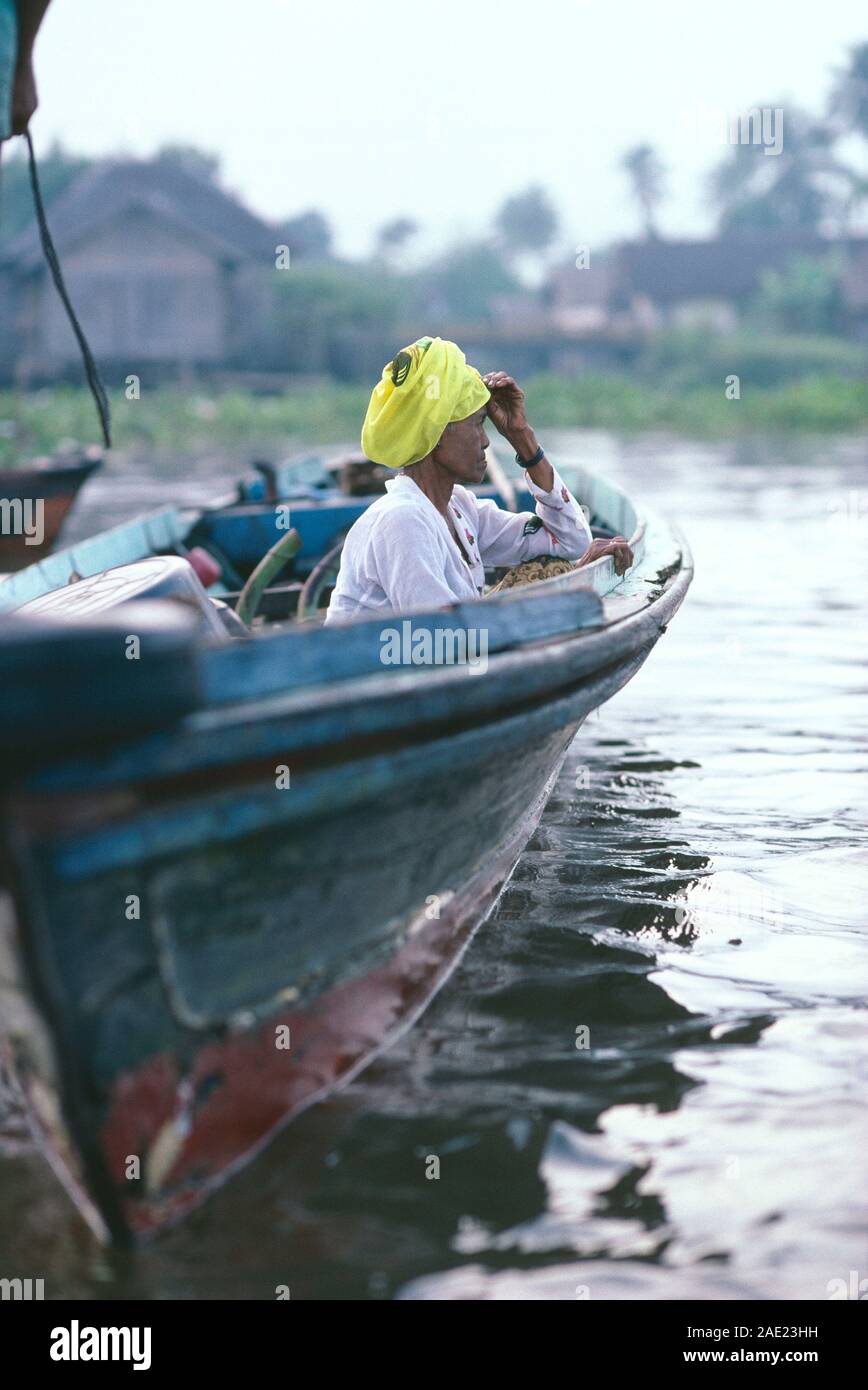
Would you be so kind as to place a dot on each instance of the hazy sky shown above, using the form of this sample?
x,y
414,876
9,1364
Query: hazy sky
x,y
370,111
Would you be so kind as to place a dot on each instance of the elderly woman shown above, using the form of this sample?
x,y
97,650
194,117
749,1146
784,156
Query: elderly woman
x,y
426,543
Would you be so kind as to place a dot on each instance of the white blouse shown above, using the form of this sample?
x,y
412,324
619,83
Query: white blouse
x,y
400,555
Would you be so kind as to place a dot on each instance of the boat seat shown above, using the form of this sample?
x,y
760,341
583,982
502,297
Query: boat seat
x,y
159,577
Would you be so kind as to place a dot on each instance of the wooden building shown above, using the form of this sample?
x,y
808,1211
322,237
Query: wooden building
x,y
166,270
643,286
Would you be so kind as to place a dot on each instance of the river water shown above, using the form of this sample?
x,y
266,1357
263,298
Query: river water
x,y
647,1079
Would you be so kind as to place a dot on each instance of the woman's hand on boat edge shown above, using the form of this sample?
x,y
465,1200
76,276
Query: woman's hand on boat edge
x,y
617,547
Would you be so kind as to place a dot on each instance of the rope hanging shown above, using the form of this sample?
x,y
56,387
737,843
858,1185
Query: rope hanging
x,y
94,380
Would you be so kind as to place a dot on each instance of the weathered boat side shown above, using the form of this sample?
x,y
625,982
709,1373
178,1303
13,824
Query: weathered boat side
x,y
286,907
223,920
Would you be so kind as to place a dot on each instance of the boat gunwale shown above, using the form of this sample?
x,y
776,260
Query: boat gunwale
x,y
86,834
148,761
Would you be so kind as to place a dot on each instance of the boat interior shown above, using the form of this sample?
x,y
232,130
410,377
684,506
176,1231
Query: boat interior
x,y
207,557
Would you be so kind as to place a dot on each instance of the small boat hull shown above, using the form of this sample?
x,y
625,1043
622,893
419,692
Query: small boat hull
x,y
53,488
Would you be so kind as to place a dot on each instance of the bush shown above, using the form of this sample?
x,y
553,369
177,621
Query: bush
x,y
186,421
197,421
820,403
697,358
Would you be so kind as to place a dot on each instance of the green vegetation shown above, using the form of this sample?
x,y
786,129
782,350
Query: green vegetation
x,y
805,298
816,404
679,360
318,311
41,421
191,422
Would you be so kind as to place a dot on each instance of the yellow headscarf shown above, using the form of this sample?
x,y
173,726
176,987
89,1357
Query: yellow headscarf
x,y
425,388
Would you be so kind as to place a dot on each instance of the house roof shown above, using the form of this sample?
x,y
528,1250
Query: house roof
x,y
163,187
722,268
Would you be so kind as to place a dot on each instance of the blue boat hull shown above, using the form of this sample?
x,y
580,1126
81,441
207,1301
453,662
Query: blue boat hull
x,y
217,923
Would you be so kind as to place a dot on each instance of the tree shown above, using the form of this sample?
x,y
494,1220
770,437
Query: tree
x,y
192,160
793,190
308,236
57,169
848,110
646,174
848,104
316,309
393,236
803,298
526,222
462,284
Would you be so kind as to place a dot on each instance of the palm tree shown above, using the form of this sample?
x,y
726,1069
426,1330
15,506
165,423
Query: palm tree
x,y
848,109
392,237
527,223
848,103
646,175
794,190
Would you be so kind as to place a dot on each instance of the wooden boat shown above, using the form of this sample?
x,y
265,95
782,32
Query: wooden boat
x,y
235,868
54,484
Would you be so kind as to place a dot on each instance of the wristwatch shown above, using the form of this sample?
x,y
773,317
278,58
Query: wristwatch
x,y
531,463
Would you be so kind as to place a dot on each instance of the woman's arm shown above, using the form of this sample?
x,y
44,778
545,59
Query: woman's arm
x,y
507,413
559,527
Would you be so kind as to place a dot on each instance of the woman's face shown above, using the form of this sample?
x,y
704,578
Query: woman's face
x,y
461,450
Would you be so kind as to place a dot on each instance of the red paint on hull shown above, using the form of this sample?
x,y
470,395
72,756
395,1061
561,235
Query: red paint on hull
x,y
57,489
242,1088
254,1087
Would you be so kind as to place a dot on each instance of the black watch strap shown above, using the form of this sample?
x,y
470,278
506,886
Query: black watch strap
x,y
531,463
